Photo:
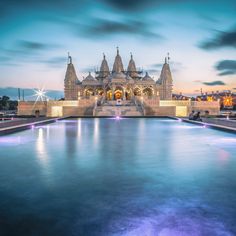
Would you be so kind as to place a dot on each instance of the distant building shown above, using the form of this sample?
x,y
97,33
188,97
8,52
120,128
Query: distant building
x,y
227,98
118,83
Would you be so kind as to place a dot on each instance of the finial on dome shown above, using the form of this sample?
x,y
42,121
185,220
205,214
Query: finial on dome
x,y
131,56
117,49
168,57
165,60
69,59
89,72
104,56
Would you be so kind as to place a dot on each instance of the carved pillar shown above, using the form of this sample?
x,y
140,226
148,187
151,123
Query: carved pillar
x,y
113,92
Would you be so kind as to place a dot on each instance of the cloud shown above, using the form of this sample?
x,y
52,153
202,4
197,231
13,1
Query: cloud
x,y
220,40
214,83
129,5
34,45
153,71
27,47
138,5
55,61
226,67
158,65
104,27
88,69
25,51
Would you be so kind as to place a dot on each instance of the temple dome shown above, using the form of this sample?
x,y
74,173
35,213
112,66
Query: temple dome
x,y
89,77
147,78
104,69
118,65
90,80
118,77
131,66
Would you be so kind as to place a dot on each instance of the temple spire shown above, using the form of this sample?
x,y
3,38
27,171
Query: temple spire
x,y
104,69
166,82
118,65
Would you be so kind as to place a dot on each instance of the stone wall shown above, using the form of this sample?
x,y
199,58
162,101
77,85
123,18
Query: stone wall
x,y
150,106
83,107
160,111
183,108
29,108
212,107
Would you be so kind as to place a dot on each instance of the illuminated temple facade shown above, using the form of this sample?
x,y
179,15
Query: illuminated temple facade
x,y
117,92
118,83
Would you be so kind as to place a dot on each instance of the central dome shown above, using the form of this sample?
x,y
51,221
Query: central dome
x,y
118,65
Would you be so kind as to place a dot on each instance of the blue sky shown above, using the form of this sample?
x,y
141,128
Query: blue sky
x,y
199,35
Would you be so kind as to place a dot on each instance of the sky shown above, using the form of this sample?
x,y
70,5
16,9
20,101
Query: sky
x,y
36,36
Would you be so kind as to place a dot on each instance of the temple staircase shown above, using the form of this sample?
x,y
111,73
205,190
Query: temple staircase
x,y
127,108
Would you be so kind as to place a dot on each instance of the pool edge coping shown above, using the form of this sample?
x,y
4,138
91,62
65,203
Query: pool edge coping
x,y
207,125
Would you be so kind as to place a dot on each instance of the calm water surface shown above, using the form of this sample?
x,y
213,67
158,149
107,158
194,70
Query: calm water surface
x,y
140,177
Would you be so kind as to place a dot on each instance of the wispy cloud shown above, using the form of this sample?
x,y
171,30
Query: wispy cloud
x,y
214,83
226,67
220,40
55,61
104,28
25,51
139,5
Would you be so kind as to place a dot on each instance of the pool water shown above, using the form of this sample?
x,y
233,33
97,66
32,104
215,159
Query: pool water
x,y
139,177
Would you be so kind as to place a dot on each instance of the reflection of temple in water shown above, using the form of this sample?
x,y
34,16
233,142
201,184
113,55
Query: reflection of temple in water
x,y
118,83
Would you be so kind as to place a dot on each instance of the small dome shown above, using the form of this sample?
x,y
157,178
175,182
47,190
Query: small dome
x,y
104,69
90,77
90,80
147,78
129,79
118,77
131,66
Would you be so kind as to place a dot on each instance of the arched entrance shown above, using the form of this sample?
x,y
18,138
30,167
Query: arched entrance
x,y
99,91
89,92
148,92
118,94
137,92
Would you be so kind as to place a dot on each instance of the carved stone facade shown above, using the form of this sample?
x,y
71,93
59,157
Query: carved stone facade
x,y
118,83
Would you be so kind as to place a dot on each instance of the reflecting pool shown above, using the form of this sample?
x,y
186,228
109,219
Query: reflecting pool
x,y
139,177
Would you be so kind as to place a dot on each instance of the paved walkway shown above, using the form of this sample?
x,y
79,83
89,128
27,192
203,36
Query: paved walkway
x,y
212,123
21,124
